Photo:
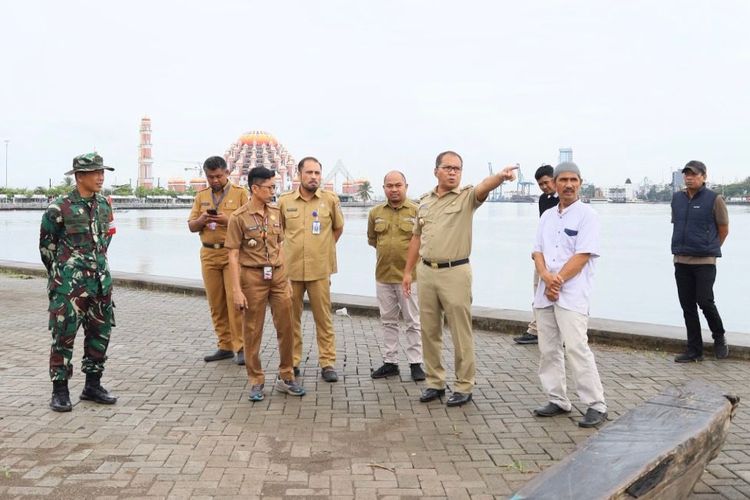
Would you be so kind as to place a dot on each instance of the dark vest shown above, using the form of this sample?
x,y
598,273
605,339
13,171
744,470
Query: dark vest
x,y
695,232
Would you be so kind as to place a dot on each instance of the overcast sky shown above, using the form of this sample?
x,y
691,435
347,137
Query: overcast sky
x,y
636,88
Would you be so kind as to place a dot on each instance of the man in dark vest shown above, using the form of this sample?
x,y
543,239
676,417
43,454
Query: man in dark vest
x,y
700,226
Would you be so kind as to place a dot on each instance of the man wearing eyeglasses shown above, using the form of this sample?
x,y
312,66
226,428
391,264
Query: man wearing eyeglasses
x,y
439,249
256,264
209,217
313,223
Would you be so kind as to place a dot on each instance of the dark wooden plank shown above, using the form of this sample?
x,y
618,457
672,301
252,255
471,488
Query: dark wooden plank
x,y
656,450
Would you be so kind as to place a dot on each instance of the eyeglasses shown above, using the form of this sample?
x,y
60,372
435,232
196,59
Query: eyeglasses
x,y
448,168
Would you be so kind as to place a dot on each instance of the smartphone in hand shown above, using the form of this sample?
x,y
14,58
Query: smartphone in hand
x,y
212,211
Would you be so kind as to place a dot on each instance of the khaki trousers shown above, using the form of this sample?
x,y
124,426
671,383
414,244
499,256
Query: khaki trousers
x,y
532,326
218,283
562,332
446,293
391,301
319,295
259,293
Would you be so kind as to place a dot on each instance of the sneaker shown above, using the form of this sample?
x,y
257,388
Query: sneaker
x,y
256,393
688,357
721,349
526,338
290,387
387,370
417,374
329,374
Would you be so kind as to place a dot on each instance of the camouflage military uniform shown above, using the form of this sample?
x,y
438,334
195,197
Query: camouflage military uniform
x,y
73,244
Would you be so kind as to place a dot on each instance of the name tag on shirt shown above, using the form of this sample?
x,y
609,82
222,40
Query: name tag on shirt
x,y
316,227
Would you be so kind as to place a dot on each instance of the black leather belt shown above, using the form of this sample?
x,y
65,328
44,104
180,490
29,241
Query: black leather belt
x,y
214,245
441,265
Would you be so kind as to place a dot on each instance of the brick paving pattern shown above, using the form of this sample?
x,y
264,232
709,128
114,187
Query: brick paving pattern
x,y
184,428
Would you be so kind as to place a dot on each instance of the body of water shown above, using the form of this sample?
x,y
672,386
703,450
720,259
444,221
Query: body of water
x,y
634,276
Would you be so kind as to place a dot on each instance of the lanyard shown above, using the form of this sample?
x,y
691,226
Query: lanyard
x,y
263,233
218,201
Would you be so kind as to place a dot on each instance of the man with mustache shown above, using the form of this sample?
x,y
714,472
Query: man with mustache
x,y
567,244
439,249
73,242
209,217
313,223
700,226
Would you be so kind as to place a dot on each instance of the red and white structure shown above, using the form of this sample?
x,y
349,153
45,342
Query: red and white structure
x,y
145,162
260,149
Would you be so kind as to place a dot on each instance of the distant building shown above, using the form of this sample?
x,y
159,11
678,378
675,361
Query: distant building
x,y
145,162
678,181
260,149
177,185
622,194
566,154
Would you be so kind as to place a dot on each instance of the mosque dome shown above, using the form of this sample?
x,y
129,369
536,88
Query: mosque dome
x,y
259,138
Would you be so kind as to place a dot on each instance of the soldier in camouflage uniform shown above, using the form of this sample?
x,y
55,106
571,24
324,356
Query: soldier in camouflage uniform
x,y
73,242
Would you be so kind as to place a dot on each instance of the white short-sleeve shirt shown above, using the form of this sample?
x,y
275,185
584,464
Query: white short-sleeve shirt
x,y
560,236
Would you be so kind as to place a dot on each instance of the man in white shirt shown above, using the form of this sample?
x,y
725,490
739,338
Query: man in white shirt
x,y
567,244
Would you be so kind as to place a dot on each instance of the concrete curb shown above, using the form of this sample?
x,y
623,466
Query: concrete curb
x,y
507,321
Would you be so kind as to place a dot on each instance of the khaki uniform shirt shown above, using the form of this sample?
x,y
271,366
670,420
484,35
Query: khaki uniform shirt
x,y
235,197
310,257
444,224
258,237
389,230
721,216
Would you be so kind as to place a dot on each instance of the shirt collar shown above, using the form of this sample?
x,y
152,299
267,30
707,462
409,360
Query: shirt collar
x,y
297,193
456,190
563,211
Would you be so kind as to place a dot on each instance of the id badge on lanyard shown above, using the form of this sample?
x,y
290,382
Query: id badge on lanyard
x,y
267,273
315,223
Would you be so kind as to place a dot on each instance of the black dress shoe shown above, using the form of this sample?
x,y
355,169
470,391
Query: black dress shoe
x,y
592,418
721,349
688,357
458,399
431,394
549,410
219,354
387,370
60,396
240,359
526,338
417,374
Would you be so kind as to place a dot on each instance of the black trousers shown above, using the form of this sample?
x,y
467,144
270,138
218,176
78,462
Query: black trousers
x,y
695,288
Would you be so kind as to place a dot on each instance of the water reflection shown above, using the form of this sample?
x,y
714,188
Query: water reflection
x,y
634,276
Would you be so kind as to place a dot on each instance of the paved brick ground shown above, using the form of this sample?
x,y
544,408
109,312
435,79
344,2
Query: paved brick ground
x,y
184,428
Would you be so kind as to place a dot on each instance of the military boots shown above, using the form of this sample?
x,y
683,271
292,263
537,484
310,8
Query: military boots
x,y
60,396
93,390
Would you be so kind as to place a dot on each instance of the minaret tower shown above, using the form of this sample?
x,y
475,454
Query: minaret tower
x,y
145,178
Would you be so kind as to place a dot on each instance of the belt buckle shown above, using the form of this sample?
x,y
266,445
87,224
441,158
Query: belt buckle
x,y
216,246
434,265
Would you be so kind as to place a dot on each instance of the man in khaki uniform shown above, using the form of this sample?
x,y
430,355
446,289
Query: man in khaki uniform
x,y
389,229
442,244
209,217
313,223
256,264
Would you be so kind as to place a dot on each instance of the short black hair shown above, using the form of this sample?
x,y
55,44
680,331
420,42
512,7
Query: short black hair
x,y
544,170
214,162
308,158
259,174
439,158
